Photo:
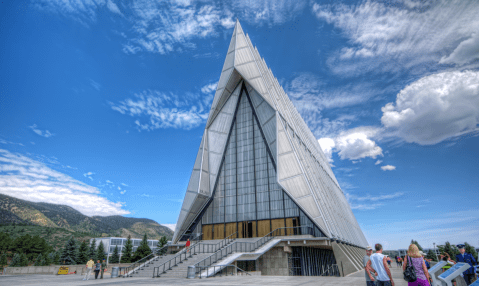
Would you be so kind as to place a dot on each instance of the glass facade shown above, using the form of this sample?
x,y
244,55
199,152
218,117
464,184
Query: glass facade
x,y
246,197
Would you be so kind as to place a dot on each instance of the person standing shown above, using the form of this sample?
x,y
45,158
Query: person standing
x,y
97,268
369,277
89,266
415,258
378,263
466,258
188,243
103,268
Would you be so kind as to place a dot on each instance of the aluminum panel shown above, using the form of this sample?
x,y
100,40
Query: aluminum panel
x,y
283,143
234,80
288,166
229,61
265,112
205,165
249,71
296,186
308,204
215,160
222,122
242,56
272,147
218,93
188,201
225,75
216,143
194,183
204,184
255,97
197,165
232,42
260,87
241,41
269,130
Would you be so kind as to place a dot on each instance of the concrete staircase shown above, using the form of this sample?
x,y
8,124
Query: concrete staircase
x,y
181,269
147,270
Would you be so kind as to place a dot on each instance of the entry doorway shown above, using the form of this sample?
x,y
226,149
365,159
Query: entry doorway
x,y
247,229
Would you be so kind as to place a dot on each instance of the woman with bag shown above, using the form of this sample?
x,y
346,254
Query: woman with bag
x,y
414,267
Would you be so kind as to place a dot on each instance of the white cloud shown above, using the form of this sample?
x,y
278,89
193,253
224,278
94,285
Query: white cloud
x,y
365,206
123,192
369,202
113,7
3,141
388,168
376,198
95,85
327,145
435,108
353,144
209,88
119,188
379,32
45,133
89,175
28,179
171,226
465,52
156,110
378,162
123,184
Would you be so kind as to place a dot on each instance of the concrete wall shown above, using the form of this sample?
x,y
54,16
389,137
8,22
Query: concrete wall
x,y
274,262
43,269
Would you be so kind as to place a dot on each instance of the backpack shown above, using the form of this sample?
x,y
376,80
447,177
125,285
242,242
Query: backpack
x,y
409,273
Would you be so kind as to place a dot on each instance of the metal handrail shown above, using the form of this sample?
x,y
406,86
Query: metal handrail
x,y
145,261
252,246
194,249
329,268
224,267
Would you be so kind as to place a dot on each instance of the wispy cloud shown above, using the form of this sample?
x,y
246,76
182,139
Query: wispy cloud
x,y
369,202
89,175
209,88
95,85
388,168
29,179
123,192
432,31
123,184
6,142
154,110
44,133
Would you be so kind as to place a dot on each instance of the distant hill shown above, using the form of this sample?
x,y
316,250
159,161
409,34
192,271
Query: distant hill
x,y
13,210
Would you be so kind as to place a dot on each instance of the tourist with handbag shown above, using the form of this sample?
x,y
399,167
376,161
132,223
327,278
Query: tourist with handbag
x,y
414,268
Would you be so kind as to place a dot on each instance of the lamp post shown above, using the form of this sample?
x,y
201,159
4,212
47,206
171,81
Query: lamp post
x,y
435,250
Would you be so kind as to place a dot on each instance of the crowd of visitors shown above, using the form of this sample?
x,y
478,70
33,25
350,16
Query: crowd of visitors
x,y
377,266
99,267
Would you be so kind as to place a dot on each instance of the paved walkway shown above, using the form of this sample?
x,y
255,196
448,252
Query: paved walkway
x,y
355,279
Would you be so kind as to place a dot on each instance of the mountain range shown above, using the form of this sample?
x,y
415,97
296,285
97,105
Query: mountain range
x,y
17,211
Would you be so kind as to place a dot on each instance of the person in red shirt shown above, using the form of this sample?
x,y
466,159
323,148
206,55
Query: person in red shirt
x,y
188,243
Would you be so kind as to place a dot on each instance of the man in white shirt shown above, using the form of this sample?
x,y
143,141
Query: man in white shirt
x,y
378,262
369,278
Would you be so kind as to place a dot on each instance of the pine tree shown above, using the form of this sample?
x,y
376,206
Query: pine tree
x,y
161,243
70,250
449,249
93,249
43,263
431,255
38,261
3,260
417,244
143,250
15,261
47,259
56,258
100,253
127,251
5,241
470,249
69,261
83,253
23,260
115,258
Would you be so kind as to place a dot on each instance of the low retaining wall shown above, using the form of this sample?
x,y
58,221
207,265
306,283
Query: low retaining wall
x,y
80,269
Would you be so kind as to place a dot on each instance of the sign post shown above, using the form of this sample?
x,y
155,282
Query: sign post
x,y
63,270
433,270
454,272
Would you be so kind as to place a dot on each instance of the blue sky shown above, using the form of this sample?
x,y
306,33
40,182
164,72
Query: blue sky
x,y
103,103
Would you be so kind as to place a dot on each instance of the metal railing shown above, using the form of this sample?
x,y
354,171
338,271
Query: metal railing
x,y
188,252
332,270
252,246
224,270
144,262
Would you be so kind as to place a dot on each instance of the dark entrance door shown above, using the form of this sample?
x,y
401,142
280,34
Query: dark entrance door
x,y
250,229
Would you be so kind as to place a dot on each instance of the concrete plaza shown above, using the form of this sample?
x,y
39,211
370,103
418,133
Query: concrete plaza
x,y
355,279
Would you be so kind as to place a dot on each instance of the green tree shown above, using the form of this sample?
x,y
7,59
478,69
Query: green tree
x,y
23,260
68,261
92,249
417,244
100,253
127,251
470,249
449,249
56,259
47,260
70,251
161,243
431,255
38,261
115,258
83,253
143,250
43,262
15,261
5,241
3,260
